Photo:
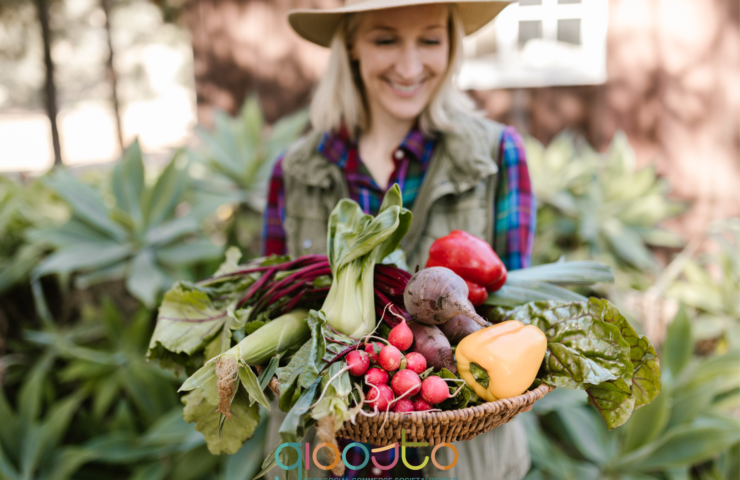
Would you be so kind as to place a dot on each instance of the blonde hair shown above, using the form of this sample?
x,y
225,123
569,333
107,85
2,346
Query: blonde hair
x,y
340,101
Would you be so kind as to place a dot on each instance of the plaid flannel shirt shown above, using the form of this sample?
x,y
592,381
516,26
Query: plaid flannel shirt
x,y
514,207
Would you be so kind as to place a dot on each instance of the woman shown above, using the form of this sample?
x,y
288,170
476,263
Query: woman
x,y
386,112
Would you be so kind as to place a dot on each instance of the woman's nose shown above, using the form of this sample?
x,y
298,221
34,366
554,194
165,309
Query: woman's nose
x,y
409,65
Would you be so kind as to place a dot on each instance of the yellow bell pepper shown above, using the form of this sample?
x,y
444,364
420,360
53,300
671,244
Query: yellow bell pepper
x,y
502,360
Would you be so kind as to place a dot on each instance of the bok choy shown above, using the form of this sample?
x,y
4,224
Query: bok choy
x,y
357,241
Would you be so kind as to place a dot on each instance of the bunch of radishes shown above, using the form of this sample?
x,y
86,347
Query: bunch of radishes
x,y
379,364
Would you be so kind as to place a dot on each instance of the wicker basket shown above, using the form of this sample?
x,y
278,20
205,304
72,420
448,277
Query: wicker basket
x,y
439,427
436,427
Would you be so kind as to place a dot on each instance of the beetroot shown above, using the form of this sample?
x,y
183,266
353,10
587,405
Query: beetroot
x,y
458,328
416,362
376,376
419,404
406,382
357,362
433,345
403,405
434,390
436,294
390,358
371,351
401,336
380,397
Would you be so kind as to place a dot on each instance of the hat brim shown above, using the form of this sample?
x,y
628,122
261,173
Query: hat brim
x,y
318,26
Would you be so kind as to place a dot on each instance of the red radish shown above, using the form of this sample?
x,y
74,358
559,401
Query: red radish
x,y
420,405
390,358
401,336
357,362
434,390
403,405
379,396
436,294
416,362
370,350
406,382
376,376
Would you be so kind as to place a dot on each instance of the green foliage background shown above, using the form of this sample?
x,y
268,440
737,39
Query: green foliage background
x,y
85,258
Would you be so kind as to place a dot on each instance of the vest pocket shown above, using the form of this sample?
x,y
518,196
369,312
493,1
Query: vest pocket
x,y
306,236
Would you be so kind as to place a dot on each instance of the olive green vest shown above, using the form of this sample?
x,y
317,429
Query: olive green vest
x,y
457,192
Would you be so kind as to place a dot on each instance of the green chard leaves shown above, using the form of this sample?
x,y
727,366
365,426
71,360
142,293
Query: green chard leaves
x,y
591,346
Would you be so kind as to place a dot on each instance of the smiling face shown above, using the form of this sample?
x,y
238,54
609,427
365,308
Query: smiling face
x,y
403,54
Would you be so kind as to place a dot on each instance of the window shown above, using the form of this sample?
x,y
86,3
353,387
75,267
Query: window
x,y
539,43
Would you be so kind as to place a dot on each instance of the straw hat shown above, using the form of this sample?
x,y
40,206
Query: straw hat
x,y
318,26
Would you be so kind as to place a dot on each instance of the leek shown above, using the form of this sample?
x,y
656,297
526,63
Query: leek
x,y
355,242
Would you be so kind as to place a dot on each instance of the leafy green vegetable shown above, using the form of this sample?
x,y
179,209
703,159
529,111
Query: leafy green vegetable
x,y
336,396
592,347
235,431
357,241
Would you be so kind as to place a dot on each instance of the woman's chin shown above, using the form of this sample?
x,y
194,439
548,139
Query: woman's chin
x,y
403,109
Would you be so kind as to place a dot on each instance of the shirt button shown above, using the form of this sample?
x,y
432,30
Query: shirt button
x,y
398,154
307,243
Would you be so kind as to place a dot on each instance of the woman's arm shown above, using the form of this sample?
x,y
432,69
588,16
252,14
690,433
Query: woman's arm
x,y
515,209
273,233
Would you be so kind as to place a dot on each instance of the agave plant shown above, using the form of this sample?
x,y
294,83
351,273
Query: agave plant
x,y
594,206
138,237
710,283
689,431
22,207
238,155
241,150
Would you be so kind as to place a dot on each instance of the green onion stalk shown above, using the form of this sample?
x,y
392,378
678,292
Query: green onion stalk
x,y
355,242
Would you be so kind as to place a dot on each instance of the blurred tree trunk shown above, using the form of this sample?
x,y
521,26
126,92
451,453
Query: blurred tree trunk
x,y
110,72
50,90
242,47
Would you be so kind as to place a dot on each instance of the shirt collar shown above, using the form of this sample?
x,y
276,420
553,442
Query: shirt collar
x,y
336,146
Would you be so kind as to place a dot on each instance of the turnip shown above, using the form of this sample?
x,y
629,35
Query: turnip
x,y
406,382
376,376
357,362
370,350
420,405
403,405
416,362
458,328
380,397
401,336
436,294
390,358
435,390
430,342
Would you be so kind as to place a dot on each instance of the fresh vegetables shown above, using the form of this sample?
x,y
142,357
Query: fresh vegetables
x,y
473,260
376,376
435,295
358,362
311,321
430,342
406,383
592,347
459,327
434,390
380,397
389,358
501,361
401,336
416,362
355,242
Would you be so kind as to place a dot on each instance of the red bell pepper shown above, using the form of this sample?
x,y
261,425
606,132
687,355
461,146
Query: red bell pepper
x,y
471,258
